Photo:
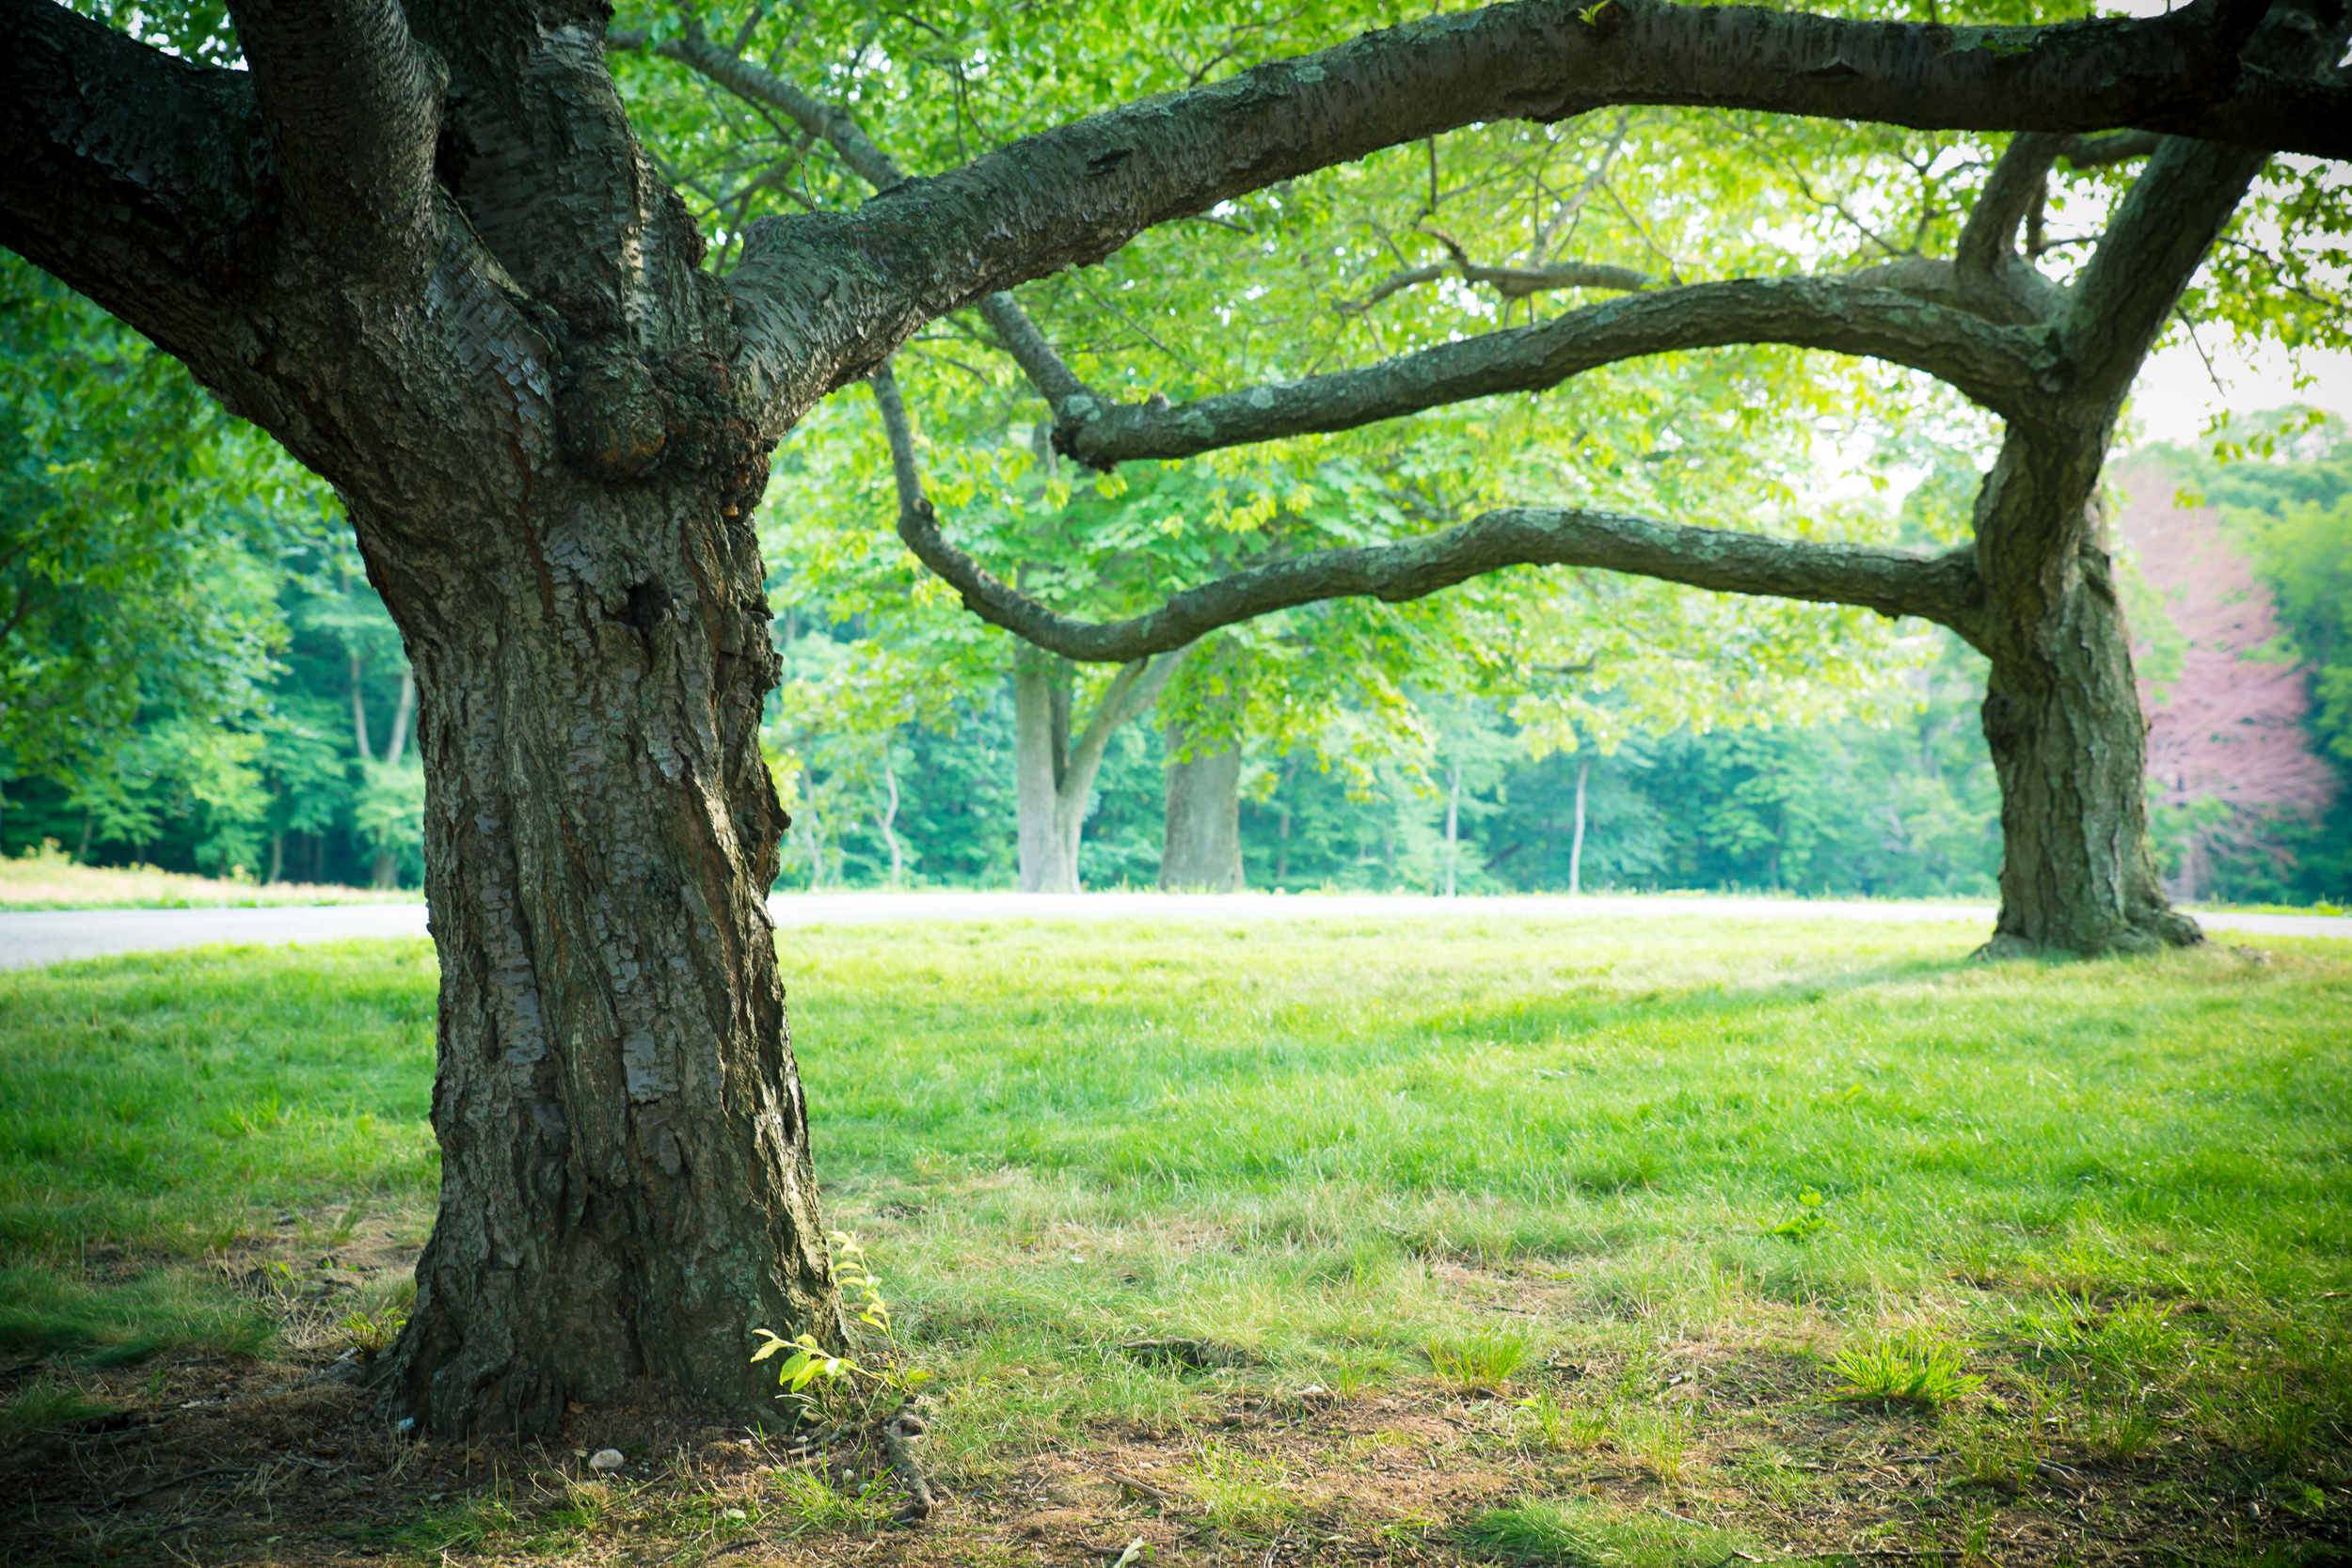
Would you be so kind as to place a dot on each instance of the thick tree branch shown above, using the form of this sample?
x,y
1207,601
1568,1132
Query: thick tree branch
x,y
1046,370
1998,366
353,105
2169,220
2277,111
2099,152
1942,588
1072,195
130,173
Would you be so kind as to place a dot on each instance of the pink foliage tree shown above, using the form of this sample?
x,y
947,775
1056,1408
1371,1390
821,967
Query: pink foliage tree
x,y
2228,758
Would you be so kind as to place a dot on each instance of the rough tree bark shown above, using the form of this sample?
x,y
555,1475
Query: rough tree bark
x,y
1200,842
419,245
447,279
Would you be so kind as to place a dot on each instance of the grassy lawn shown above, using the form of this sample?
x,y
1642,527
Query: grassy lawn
x,y
1471,1240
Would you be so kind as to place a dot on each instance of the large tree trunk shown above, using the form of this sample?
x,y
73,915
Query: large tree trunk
x,y
2062,714
626,1185
1201,846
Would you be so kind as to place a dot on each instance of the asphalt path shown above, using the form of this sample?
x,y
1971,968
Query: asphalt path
x,y
35,936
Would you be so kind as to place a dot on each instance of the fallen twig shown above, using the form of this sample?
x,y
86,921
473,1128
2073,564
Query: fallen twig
x,y
1143,1488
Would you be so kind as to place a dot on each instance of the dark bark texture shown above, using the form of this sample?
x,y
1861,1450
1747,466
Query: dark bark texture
x,y
419,245
485,322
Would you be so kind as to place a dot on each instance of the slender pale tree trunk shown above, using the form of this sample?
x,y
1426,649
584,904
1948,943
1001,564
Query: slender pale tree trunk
x,y
1453,826
810,825
1053,773
890,816
359,713
404,714
1576,842
1041,719
1200,842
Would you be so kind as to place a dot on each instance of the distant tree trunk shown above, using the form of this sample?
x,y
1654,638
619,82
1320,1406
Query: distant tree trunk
x,y
1200,844
1575,843
401,715
890,816
1040,751
809,825
359,713
2061,713
276,857
1453,826
1054,775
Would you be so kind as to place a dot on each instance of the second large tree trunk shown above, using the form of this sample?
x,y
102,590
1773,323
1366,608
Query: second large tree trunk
x,y
1053,772
2062,718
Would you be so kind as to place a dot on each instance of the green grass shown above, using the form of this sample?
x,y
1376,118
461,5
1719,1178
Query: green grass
x,y
1352,1155
1578,1533
160,1108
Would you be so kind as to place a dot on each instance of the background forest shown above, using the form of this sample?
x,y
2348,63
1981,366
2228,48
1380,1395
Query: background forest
x,y
195,674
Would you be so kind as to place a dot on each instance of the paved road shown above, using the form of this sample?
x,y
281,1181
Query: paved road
x,y
31,938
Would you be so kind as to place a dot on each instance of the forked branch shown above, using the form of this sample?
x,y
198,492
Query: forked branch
x,y
1941,588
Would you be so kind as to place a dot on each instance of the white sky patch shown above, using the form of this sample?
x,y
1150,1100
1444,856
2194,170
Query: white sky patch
x,y
2176,400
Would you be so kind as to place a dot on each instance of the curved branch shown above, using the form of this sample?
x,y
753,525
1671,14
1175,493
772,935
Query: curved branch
x,y
1989,239
1943,588
1073,195
1996,365
353,105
